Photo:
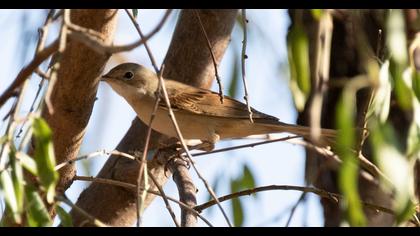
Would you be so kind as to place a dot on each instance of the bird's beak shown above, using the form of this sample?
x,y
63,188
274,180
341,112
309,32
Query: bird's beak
x,y
105,77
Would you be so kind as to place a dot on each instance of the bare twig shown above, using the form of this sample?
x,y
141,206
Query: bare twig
x,y
243,58
219,82
28,70
293,210
149,130
245,146
55,68
94,154
165,199
92,219
101,48
133,187
322,67
320,192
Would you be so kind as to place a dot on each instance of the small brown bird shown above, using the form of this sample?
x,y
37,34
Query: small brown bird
x,y
199,112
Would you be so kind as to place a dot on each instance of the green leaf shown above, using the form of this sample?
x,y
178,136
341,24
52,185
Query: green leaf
x,y
237,209
64,216
317,13
402,91
135,12
27,162
17,178
44,157
248,180
387,154
416,83
37,214
348,175
10,195
413,140
298,55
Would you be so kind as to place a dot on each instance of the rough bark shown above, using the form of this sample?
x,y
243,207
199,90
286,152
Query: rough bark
x,y
74,93
187,60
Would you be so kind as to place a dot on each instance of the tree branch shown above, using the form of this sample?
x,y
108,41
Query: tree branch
x,y
187,60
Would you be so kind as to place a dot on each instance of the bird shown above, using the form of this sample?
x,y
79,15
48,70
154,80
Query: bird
x,y
199,112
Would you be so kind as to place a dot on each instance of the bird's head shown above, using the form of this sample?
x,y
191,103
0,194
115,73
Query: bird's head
x,y
131,79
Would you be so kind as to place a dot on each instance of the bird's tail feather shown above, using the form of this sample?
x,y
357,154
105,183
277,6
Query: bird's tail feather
x,y
327,137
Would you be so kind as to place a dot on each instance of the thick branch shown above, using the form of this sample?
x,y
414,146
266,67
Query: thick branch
x,y
74,93
187,60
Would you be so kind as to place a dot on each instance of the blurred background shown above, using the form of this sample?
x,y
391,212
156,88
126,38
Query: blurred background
x,y
268,84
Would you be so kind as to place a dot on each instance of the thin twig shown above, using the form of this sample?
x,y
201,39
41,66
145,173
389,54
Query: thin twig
x,y
243,58
165,198
322,67
219,82
320,192
173,119
100,47
143,164
43,33
28,70
56,67
94,154
92,219
293,210
245,146
133,187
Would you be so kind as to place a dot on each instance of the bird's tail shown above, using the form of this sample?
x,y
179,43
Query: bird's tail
x,y
327,137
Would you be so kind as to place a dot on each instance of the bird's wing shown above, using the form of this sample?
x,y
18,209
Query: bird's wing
x,y
206,102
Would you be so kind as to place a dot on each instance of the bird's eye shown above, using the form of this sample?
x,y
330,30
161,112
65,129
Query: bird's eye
x,y
128,75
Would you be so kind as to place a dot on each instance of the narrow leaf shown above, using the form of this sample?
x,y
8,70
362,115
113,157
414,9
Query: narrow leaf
x,y
27,162
10,195
37,214
44,157
298,55
64,216
349,169
237,209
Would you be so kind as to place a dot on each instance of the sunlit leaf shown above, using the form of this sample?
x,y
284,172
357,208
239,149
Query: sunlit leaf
x,y
399,170
237,209
298,55
413,140
10,195
65,217
396,36
348,175
17,178
44,157
381,95
317,13
37,214
27,162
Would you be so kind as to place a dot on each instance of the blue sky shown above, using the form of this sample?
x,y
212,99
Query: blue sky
x,y
267,77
